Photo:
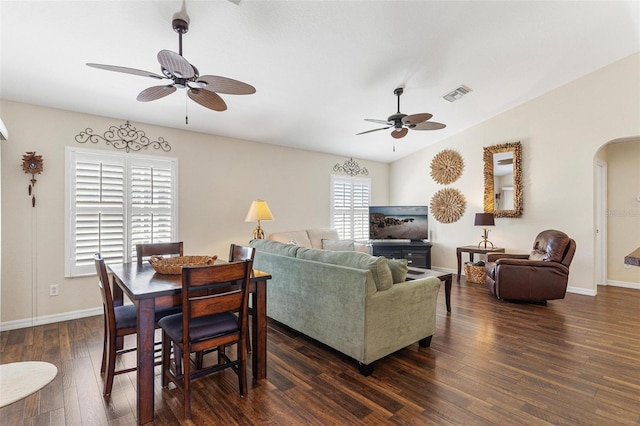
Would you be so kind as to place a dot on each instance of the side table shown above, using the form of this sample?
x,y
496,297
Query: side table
x,y
471,250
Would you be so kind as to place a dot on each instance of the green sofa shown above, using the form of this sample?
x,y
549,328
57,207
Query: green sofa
x,y
356,303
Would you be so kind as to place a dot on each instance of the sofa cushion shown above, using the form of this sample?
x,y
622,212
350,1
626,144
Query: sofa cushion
x,y
399,269
275,247
353,259
337,245
316,236
300,237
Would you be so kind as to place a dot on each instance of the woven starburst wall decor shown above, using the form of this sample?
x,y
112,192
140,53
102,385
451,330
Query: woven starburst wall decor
x,y
448,205
446,167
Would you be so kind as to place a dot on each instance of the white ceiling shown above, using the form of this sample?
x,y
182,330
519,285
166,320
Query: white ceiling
x,y
319,67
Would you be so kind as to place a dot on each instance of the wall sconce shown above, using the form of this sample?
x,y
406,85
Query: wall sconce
x,y
258,211
484,220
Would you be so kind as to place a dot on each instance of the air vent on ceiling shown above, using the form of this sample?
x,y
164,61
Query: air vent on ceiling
x,y
457,94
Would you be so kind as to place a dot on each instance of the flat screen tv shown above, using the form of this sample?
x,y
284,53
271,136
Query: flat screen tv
x,y
398,223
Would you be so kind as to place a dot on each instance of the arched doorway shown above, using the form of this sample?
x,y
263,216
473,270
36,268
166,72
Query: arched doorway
x,y
617,211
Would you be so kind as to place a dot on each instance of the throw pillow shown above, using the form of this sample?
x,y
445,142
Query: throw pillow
x,y
538,255
338,245
399,269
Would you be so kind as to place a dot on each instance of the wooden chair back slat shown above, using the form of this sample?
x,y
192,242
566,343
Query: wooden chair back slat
x,y
146,250
238,252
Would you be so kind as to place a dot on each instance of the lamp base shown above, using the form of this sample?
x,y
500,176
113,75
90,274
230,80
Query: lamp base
x,y
485,239
485,242
258,233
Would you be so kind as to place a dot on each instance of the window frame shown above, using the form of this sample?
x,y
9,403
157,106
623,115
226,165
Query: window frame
x,y
128,161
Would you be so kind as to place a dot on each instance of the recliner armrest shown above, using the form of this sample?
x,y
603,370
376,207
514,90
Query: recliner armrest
x,y
492,257
532,263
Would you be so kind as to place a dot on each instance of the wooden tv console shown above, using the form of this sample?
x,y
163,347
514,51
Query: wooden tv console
x,y
417,253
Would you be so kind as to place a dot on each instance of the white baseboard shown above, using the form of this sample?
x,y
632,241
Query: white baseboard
x,y
49,319
584,291
624,284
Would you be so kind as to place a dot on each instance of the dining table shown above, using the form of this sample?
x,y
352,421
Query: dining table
x,y
148,289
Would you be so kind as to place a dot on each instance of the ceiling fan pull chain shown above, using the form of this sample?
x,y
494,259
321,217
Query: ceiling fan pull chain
x,y
186,111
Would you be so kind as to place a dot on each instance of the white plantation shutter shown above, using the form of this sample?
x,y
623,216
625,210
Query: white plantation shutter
x,y
151,207
115,201
350,207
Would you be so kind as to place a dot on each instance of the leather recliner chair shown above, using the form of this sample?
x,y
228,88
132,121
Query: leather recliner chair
x,y
539,276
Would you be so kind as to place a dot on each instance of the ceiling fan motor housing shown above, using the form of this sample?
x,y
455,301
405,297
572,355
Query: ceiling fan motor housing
x,y
397,119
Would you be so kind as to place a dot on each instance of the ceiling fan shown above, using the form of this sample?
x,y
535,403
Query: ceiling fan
x,y
401,123
203,89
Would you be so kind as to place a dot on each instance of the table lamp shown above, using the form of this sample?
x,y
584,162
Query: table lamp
x,y
258,211
484,220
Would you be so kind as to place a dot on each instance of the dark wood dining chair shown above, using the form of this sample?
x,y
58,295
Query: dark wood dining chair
x,y
146,250
236,253
119,321
208,321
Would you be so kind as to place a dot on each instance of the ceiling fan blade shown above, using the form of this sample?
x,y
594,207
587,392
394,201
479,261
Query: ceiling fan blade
x,y
400,133
373,120
226,85
428,125
155,92
207,99
126,70
374,130
175,64
414,119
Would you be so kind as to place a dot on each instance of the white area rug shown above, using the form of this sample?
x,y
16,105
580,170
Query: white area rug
x,y
20,379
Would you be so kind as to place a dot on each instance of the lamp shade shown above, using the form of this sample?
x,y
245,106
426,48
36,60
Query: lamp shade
x,y
484,219
259,210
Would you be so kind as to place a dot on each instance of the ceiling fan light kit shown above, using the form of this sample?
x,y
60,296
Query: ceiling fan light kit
x,y
401,123
202,89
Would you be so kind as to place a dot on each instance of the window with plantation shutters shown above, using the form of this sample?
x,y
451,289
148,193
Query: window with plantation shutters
x,y
115,201
350,207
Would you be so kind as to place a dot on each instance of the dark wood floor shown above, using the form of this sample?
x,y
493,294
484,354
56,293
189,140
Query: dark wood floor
x,y
573,362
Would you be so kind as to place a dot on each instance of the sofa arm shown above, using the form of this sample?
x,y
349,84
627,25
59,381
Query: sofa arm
x,y
400,316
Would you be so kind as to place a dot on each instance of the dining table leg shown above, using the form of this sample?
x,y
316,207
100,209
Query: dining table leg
x,y
146,334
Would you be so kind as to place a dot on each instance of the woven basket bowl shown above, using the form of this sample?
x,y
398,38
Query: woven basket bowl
x,y
475,274
173,265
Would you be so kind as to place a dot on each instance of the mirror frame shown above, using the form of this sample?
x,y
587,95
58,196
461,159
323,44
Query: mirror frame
x,y
516,148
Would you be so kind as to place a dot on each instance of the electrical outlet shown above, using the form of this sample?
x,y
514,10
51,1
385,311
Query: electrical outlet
x,y
54,290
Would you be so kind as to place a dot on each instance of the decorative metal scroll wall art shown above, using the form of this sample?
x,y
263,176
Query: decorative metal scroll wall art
x,y
351,168
448,205
32,163
446,167
124,137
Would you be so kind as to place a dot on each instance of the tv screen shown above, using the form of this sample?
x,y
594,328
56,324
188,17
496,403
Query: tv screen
x,y
398,223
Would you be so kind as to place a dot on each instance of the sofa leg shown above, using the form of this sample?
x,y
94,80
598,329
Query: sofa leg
x,y
426,342
365,369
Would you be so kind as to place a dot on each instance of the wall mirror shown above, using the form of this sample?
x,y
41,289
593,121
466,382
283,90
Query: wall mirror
x,y
503,179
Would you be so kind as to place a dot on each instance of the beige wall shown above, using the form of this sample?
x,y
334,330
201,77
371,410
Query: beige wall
x,y
561,132
218,179
623,209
